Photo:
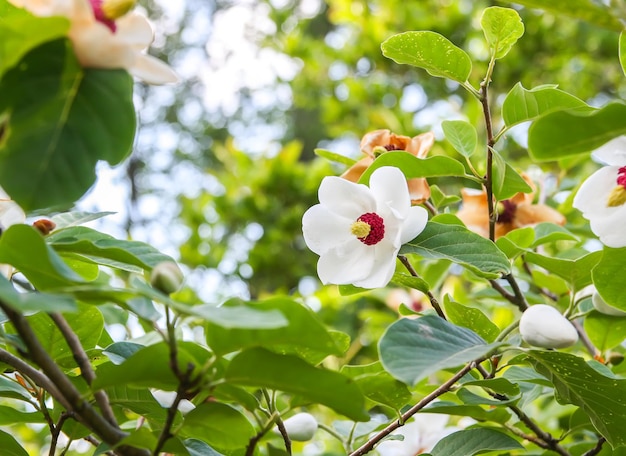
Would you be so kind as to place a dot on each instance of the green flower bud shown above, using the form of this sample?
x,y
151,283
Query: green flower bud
x,y
166,277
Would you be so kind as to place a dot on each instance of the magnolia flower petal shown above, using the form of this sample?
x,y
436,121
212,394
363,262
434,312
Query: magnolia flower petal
x,y
96,47
346,198
384,265
135,30
592,195
324,230
152,70
612,153
431,423
531,214
410,446
389,186
374,139
354,173
420,145
346,264
609,227
413,224
419,190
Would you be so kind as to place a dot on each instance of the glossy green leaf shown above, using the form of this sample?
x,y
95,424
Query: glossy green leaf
x,y
586,10
431,51
576,272
82,116
498,385
546,232
516,242
605,331
11,416
605,276
498,415
378,385
137,400
440,199
23,247
67,219
469,442
411,282
499,173
197,447
98,246
12,389
10,446
33,302
521,105
219,425
458,244
602,397
262,368
462,135
470,318
334,157
412,166
411,350
563,133
622,51
302,330
512,184
21,32
232,317
502,28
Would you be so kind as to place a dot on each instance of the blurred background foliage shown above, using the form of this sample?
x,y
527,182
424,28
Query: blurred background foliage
x,y
266,82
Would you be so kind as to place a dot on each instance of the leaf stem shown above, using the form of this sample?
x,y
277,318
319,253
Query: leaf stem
x,y
433,301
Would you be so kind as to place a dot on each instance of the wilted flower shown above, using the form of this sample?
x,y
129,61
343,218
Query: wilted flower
x,y
602,197
544,326
379,141
10,214
420,435
105,35
357,231
516,212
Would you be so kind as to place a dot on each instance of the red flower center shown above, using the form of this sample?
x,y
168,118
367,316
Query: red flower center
x,y
621,177
98,12
508,211
376,228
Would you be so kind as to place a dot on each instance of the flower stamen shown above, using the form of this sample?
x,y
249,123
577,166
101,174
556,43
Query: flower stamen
x,y
369,228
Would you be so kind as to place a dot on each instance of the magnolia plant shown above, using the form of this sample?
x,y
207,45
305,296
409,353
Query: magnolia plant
x,y
509,340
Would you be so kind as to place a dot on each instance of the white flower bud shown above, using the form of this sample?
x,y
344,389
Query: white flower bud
x,y
601,306
166,277
301,427
544,326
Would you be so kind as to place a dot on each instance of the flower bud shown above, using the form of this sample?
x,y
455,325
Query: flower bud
x,y
166,277
301,427
601,306
543,326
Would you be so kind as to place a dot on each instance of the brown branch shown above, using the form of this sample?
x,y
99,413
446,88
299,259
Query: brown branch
x,y
283,432
595,450
433,301
593,351
484,101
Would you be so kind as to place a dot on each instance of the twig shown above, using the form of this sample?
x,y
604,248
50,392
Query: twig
x,y
595,450
520,299
552,443
430,207
443,388
531,438
283,431
484,101
56,431
84,364
593,351
433,301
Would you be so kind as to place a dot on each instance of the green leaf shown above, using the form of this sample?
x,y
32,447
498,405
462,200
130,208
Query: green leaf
x,y
219,425
521,105
498,385
499,173
412,166
411,282
101,248
67,219
563,133
512,184
502,28
334,157
411,350
21,32
462,135
34,302
10,446
576,272
138,400
440,199
546,232
302,332
605,276
469,442
516,242
262,368
498,415
82,116
605,331
603,398
431,51
586,10
197,447
470,318
24,247
378,385
11,416
458,244
622,50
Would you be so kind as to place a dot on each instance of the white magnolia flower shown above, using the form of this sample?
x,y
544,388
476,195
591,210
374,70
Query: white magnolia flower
x,y
602,197
10,214
601,306
357,231
105,35
421,434
544,326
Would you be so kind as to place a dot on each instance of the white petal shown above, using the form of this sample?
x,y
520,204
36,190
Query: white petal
x,y
384,265
151,70
135,30
609,226
346,198
347,264
544,326
407,447
612,153
431,423
414,224
389,187
97,47
324,230
593,193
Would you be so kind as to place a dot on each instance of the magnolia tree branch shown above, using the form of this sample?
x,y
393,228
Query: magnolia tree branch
x,y
595,450
73,399
484,101
444,388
